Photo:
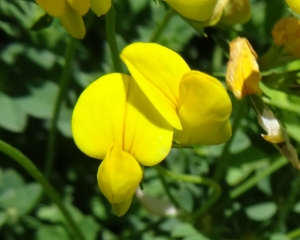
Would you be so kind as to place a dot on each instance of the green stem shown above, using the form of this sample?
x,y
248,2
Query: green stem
x,y
194,179
222,161
287,205
293,234
274,166
39,177
63,86
167,189
111,39
161,27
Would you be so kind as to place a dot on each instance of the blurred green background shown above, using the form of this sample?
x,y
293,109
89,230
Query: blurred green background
x,y
31,63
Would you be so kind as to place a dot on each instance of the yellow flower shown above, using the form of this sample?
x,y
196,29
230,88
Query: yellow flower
x,y
243,74
286,33
236,11
199,10
295,5
70,12
194,103
113,120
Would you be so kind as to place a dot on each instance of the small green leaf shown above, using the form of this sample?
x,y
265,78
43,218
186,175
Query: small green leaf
x,y
261,211
188,231
12,116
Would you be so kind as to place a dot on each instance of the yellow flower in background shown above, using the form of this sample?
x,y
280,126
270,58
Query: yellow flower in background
x,y
236,11
194,103
286,32
295,5
199,10
70,12
242,76
113,120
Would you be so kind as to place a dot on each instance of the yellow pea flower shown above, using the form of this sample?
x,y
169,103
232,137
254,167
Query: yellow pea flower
x,y
199,10
113,120
194,103
295,5
70,12
286,33
242,76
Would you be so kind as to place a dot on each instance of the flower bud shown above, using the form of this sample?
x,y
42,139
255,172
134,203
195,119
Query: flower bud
x,y
242,76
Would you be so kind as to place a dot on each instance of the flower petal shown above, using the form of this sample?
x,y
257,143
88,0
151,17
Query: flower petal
x,y
54,9
294,4
119,175
158,71
147,135
121,208
204,109
242,76
81,6
72,22
100,7
236,11
199,10
98,117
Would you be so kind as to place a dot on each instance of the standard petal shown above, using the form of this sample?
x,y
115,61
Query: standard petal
x,y
204,109
158,71
98,117
147,135
54,9
119,175
72,22
294,4
199,10
81,6
121,208
100,7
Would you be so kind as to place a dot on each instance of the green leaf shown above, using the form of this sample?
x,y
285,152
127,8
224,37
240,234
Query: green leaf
x,y
262,211
43,22
240,142
11,179
12,116
52,232
41,102
23,198
187,230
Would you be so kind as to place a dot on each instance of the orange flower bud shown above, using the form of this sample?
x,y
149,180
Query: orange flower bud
x,y
243,74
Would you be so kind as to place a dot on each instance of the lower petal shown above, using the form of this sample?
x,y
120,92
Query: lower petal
x,y
119,175
81,6
121,208
100,7
204,110
72,22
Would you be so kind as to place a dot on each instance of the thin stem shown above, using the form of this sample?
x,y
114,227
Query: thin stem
x,y
274,166
293,234
222,161
194,179
39,177
161,27
63,86
167,190
111,39
287,205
